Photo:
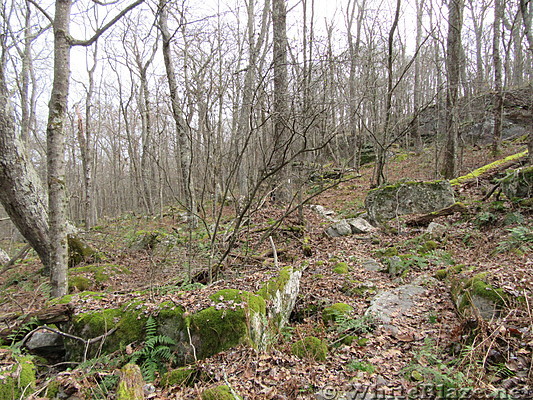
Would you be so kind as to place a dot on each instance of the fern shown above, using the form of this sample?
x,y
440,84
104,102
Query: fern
x,y
519,238
155,353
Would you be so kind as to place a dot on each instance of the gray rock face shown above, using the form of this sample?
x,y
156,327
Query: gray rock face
x,y
388,202
393,303
350,226
436,230
519,183
360,225
46,344
44,339
341,228
4,257
323,212
374,266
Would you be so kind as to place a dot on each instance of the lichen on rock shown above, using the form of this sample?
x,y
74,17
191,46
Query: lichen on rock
x,y
387,202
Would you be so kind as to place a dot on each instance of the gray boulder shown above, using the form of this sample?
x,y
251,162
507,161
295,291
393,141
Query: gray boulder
x,y
341,228
518,183
360,225
4,257
323,212
435,230
387,202
374,266
394,303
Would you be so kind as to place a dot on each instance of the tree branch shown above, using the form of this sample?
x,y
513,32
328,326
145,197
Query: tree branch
x,y
101,31
43,11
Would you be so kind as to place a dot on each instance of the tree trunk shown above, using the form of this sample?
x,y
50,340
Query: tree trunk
x,y
181,133
55,135
453,69
379,172
417,87
281,146
497,62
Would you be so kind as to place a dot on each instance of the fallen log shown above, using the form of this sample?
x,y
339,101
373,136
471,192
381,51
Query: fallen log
x,y
50,315
425,219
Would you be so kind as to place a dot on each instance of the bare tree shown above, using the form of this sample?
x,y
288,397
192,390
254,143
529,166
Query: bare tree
x,y
280,105
497,62
453,59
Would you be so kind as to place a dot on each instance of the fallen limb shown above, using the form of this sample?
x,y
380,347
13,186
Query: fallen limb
x,y
424,220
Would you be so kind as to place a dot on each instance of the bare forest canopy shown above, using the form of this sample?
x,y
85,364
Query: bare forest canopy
x,y
194,103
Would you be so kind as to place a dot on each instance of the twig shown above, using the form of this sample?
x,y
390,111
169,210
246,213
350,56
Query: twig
x,y
68,335
274,252
20,254
192,345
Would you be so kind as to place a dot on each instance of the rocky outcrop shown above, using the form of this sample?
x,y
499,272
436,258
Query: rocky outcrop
x,y
350,226
235,317
403,198
394,303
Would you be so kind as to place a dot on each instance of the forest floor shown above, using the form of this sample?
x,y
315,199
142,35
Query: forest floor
x,y
431,345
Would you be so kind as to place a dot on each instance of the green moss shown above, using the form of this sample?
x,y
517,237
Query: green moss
x,y
430,245
310,347
331,313
253,302
79,283
386,252
341,268
99,273
185,376
218,329
222,392
482,289
269,289
129,322
78,251
441,274
480,171
131,383
19,382
52,389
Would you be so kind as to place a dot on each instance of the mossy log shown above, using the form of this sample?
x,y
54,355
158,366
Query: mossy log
x,y
425,219
50,315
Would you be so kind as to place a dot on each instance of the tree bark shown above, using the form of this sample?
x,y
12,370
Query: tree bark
x,y
453,59
281,146
181,132
20,187
55,144
497,63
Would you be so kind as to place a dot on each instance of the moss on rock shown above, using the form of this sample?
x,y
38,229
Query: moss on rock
x,y
475,292
273,285
341,268
222,392
217,329
251,301
310,347
78,252
79,284
19,382
128,322
184,376
331,313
